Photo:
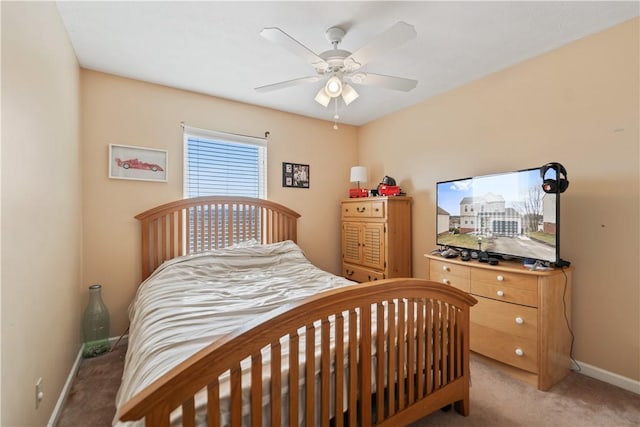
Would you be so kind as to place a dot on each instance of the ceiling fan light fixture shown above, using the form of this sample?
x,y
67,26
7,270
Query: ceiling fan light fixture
x,y
349,94
322,98
333,88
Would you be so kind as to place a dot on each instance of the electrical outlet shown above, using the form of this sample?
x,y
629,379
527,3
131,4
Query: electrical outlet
x,y
39,392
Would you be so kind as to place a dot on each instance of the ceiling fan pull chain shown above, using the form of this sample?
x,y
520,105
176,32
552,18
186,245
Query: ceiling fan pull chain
x,y
335,116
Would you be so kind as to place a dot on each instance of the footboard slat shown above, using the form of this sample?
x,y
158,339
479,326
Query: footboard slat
x,y
189,413
353,362
310,375
401,353
256,389
391,355
401,356
380,364
325,374
365,365
235,407
437,347
339,375
430,362
420,350
276,385
294,361
213,403
411,355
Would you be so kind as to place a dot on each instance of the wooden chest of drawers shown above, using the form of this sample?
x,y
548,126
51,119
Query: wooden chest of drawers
x,y
376,238
521,318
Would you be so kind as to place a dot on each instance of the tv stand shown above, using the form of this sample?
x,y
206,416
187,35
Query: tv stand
x,y
522,316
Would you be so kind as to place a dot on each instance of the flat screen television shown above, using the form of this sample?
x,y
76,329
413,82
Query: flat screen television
x,y
504,214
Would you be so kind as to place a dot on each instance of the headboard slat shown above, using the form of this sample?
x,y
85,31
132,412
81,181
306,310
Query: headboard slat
x,y
194,225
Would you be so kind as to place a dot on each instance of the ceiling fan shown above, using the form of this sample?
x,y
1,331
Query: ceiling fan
x,y
340,67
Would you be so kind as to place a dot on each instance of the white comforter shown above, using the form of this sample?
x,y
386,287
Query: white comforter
x,y
191,301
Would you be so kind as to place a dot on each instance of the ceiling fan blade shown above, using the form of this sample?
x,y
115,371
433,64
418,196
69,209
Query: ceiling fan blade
x,y
287,83
399,33
388,82
276,35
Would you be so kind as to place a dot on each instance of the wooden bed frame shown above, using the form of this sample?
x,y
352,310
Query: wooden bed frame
x,y
418,349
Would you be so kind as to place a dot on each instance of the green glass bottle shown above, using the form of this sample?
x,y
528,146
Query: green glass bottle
x,y
95,324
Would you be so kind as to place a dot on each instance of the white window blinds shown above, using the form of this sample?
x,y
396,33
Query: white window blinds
x,y
218,163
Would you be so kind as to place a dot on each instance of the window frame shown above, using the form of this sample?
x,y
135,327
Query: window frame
x,y
225,137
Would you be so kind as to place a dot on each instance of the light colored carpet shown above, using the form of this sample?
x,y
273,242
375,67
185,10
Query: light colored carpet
x,y
496,399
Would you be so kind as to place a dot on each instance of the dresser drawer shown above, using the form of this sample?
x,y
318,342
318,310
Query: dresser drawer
x,y
449,269
506,332
450,274
512,319
361,274
505,286
505,293
515,351
439,276
363,209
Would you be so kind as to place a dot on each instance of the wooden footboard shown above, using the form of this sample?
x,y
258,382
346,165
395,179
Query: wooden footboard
x,y
407,339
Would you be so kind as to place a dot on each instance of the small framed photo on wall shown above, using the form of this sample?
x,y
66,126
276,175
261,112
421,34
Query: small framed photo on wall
x,y
138,163
295,175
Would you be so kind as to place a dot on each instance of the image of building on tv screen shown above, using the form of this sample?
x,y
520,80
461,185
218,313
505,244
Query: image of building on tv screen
x,y
506,214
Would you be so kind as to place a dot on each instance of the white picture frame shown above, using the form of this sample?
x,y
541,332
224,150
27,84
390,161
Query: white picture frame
x,y
138,163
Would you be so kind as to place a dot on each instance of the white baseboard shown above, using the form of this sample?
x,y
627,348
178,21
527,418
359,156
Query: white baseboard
x,y
609,377
53,420
57,411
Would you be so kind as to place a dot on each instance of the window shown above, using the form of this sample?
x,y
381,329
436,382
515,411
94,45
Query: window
x,y
221,164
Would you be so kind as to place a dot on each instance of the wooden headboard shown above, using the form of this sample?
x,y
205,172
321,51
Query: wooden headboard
x,y
199,224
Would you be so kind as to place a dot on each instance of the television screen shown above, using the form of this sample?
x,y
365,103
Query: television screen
x,y
505,214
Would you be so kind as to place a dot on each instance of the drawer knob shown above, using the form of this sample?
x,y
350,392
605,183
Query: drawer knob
x,y
446,281
519,320
519,352
500,278
360,210
446,268
500,293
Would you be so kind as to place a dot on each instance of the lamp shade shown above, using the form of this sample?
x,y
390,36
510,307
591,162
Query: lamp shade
x,y
349,94
358,174
322,98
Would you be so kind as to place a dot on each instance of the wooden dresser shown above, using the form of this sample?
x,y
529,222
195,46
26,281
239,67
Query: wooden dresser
x,y
376,238
521,316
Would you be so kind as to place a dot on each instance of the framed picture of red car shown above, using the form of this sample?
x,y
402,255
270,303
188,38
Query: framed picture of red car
x,y
140,163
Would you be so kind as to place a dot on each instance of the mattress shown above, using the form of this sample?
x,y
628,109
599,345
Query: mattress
x,y
191,301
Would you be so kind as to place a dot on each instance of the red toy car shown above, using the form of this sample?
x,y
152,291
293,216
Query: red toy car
x,y
137,164
388,190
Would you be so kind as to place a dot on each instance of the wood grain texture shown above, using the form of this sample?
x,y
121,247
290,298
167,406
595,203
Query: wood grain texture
x,y
517,309
199,224
440,334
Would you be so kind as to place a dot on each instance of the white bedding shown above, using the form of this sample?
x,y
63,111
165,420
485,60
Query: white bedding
x,y
191,301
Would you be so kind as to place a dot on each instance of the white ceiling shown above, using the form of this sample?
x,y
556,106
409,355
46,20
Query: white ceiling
x,y
215,48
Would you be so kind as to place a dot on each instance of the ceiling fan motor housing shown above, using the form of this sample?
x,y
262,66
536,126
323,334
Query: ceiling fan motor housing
x,y
334,35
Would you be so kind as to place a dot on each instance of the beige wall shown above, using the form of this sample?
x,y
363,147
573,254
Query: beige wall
x,y
41,211
123,111
577,105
